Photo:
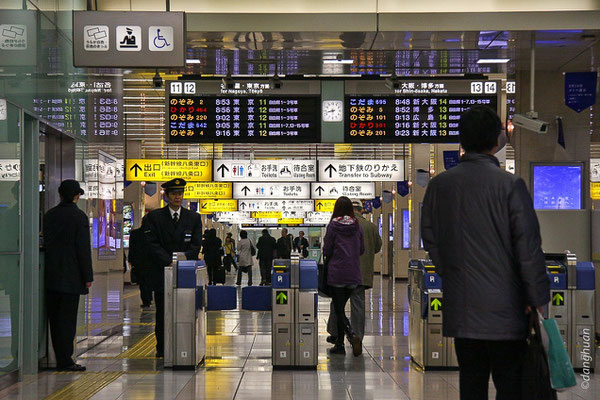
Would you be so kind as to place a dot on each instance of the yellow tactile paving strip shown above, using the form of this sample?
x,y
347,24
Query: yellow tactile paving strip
x,y
144,349
85,387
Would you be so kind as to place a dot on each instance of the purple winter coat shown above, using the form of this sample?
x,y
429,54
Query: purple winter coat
x,y
344,244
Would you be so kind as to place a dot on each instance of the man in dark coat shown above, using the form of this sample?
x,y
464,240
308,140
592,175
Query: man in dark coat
x,y
68,270
284,245
266,246
482,234
140,261
168,230
301,244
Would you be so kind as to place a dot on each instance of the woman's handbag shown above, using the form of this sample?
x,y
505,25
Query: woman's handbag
x,y
535,376
562,375
323,285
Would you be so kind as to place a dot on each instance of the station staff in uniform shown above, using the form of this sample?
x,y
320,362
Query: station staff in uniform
x,y
168,230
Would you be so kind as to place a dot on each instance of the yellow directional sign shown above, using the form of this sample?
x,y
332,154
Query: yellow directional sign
x,y
211,206
324,205
595,190
266,214
208,190
290,221
165,170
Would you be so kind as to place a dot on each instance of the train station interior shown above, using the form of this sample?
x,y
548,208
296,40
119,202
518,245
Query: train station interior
x,y
269,112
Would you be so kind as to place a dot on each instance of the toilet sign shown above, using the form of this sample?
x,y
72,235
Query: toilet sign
x,y
265,170
269,190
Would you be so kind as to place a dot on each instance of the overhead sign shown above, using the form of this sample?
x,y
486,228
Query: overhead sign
x,y
353,190
234,217
317,218
265,170
208,190
276,205
595,190
211,206
290,221
271,190
594,169
266,214
10,170
324,205
165,170
128,39
18,37
361,170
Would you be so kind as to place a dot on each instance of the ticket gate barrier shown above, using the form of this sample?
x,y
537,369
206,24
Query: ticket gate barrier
x,y
427,346
185,314
294,340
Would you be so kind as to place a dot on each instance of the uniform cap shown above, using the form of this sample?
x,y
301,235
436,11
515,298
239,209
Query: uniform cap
x,y
174,185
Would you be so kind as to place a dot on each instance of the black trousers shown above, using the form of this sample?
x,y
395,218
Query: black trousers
x,y
146,293
265,270
478,358
239,274
339,297
62,317
159,328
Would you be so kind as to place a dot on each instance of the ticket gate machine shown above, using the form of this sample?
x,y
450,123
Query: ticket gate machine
x,y
427,346
185,314
294,340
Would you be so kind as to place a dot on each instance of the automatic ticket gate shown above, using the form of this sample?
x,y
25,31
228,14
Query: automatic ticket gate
x,y
572,286
295,327
185,314
427,346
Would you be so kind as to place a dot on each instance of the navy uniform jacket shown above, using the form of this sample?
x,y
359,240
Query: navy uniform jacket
x,y
68,254
164,237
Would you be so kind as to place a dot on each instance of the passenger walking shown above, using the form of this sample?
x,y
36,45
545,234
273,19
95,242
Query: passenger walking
x,y
372,242
211,248
245,250
343,246
68,270
168,230
229,249
140,262
266,247
481,232
301,244
284,245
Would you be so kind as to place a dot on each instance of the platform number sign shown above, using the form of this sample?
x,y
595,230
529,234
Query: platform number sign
x,y
176,87
476,87
511,87
189,88
490,87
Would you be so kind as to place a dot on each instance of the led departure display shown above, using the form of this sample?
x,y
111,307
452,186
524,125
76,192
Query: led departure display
x,y
252,113
417,111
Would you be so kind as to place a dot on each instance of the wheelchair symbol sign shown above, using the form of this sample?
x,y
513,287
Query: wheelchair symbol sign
x,y
160,38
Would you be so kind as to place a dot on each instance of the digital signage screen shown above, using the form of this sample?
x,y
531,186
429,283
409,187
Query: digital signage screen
x,y
249,112
416,111
557,186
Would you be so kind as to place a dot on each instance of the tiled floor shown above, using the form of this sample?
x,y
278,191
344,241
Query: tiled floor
x,y
239,364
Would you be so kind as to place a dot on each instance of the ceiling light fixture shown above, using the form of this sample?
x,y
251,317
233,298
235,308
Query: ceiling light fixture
x,y
493,60
192,61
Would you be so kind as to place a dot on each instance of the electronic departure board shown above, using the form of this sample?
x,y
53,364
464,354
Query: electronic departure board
x,y
417,111
248,112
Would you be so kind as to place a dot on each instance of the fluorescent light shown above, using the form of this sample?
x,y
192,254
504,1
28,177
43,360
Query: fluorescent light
x,y
336,61
493,60
192,61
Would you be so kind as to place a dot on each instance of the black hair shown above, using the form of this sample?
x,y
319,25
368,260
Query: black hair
x,y
66,197
243,234
265,231
343,207
479,128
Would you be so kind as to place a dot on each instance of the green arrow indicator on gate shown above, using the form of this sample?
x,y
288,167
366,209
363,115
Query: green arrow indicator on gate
x,y
436,304
558,299
281,297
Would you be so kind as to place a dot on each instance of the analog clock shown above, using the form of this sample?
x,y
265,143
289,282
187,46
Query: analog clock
x,y
333,110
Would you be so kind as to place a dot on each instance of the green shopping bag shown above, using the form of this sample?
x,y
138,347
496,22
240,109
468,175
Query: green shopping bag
x,y
562,375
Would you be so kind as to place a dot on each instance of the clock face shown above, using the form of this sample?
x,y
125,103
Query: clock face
x,y
333,110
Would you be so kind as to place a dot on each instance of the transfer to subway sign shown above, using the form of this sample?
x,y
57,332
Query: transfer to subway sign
x,y
165,170
212,206
361,170
208,190
265,170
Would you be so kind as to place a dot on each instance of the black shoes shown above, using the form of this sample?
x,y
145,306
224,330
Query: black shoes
x,y
331,339
72,368
356,345
159,354
337,349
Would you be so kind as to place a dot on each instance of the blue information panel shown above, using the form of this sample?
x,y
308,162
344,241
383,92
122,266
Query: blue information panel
x,y
557,187
405,229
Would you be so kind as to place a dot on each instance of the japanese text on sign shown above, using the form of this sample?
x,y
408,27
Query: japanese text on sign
x,y
211,206
208,190
165,170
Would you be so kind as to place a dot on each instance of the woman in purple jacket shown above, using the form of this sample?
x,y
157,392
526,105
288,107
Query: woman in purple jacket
x,y
343,246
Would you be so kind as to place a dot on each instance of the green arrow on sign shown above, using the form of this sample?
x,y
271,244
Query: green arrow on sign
x,y
558,299
281,298
436,304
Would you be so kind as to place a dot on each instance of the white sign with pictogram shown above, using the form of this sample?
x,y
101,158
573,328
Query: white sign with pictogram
x,y
353,190
317,218
361,170
265,170
234,217
276,205
10,170
300,190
